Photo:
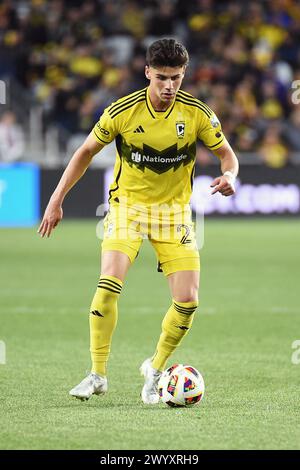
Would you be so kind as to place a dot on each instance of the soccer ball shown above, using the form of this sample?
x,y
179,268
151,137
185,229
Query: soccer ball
x,y
181,385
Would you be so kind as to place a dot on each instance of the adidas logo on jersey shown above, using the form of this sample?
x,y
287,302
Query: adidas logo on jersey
x,y
138,130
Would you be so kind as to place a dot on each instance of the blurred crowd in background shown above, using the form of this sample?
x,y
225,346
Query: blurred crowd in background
x,y
73,58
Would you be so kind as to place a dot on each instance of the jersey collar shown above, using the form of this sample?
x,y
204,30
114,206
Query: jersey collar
x,y
158,114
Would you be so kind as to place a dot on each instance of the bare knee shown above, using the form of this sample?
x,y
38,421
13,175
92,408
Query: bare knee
x,y
184,286
187,293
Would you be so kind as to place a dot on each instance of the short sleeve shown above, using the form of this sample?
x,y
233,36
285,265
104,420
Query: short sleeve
x,y
105,129
210,130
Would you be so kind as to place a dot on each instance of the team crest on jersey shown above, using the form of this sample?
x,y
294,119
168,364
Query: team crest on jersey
x,y
180,128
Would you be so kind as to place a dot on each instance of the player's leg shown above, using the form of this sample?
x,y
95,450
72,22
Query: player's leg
x,y
179,260
103,320
104,307
119,249
184,286
177,322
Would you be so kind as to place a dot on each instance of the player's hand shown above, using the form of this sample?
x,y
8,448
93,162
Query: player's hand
x,y
223,184
53,215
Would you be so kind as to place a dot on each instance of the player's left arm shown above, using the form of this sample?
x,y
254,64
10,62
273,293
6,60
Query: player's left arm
x,y
211,134
229,166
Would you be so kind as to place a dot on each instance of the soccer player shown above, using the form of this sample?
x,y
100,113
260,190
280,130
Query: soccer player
x,y
155,130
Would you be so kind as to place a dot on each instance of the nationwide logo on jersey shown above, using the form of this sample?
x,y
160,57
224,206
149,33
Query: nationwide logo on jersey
x,y
180,127
156,160
136,157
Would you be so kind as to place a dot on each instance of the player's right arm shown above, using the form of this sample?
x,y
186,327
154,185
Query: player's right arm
x,y
74,171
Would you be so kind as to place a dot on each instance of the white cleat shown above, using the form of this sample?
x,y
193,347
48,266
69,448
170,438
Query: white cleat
x,y
93,384
150,394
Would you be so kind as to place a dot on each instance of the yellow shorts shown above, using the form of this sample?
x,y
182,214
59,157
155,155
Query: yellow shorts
x,y
172,236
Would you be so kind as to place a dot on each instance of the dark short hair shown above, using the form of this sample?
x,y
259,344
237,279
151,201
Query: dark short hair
x,y
167,53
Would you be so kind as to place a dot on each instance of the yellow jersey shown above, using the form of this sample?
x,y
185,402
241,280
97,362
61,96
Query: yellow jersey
x,y
156,151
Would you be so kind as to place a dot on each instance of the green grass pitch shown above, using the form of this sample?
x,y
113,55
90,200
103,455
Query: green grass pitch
x,y
241,341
